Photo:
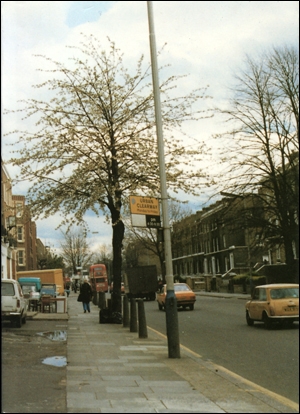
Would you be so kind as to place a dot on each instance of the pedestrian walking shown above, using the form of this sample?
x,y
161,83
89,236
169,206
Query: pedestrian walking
x,y
86,295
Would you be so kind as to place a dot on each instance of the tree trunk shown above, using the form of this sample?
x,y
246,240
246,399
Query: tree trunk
x,y
118,236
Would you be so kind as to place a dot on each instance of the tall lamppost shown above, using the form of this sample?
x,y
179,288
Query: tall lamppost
x,y
171,302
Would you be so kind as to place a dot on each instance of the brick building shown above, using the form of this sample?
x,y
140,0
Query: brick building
x,y
25,235
8,252
219,238
18,231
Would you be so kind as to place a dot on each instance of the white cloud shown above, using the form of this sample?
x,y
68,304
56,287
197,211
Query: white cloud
x,y
207,40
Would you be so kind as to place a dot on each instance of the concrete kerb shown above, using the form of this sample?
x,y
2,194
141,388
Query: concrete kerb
x,y
47,316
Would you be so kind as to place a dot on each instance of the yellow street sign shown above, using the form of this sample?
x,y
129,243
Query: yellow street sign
x,y
144,205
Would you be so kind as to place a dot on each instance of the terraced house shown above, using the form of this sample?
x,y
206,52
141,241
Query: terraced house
x,y
229,237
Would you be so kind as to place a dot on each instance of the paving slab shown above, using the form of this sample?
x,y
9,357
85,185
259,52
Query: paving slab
x,y
110,370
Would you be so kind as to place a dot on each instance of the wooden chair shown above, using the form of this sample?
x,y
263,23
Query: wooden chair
x,y
47,304
34,305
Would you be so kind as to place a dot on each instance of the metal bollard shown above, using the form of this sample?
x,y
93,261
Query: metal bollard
x,y
143,333
125,312
102,300
133,316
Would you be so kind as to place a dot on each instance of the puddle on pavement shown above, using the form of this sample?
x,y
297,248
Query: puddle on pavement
x,y
57,361
54,335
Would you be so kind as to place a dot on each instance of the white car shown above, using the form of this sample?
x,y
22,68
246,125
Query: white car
x,y
13,303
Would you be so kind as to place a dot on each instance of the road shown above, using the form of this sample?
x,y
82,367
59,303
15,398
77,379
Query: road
x,y
217,331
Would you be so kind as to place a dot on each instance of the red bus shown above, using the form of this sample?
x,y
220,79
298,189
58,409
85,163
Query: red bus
x,y
98,278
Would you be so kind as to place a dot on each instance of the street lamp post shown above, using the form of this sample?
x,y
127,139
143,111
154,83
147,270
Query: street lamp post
x,y
171,303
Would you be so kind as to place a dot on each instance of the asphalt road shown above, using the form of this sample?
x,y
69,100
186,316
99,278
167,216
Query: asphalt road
x,y
217,331
28,384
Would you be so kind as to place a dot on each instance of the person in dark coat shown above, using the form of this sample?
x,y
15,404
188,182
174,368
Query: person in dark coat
x,y
86,295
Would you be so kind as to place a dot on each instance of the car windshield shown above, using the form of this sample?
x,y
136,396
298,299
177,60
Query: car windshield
x,y
179,288
7,289
284,293
27,289
47,289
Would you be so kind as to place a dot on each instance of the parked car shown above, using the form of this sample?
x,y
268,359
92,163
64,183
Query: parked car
x,y
184,295
122,287
278,302
30,292
49,289
13,303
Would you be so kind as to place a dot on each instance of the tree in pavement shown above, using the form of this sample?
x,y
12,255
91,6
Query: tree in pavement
x,y
94,142
264,144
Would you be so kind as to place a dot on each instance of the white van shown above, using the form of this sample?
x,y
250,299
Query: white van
x,y
13,304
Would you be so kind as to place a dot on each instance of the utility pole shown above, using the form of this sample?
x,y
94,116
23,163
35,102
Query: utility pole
x,y
171,302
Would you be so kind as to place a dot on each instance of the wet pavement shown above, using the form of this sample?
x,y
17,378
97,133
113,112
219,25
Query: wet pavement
x,y
29,384
111,370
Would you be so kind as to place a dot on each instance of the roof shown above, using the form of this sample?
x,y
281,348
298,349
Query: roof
x,y
280,285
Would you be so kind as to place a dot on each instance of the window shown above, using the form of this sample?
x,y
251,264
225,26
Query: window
x,y
7,289
100,280
19,209
294,249
21,257
284,293
20,233
224,241
260,294
278,253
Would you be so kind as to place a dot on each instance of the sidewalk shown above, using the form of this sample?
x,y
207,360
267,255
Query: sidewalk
x,y
112,370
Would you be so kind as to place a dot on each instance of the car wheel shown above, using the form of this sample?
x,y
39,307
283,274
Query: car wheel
x,y
159,306
267,321
250,321
288,323
192,307
18,322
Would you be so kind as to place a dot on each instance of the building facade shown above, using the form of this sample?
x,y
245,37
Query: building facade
x,y
18,231
25,235
8,251
221,238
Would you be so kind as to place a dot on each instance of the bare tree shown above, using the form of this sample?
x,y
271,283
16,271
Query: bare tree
x,y
140,240
48,259
104,255
95,141
75,249
264,144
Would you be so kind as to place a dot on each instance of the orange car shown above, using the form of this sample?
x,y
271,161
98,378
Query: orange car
x,y
277,302
184,295
122,287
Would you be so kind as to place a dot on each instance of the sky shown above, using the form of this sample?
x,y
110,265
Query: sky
x,y
206,40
